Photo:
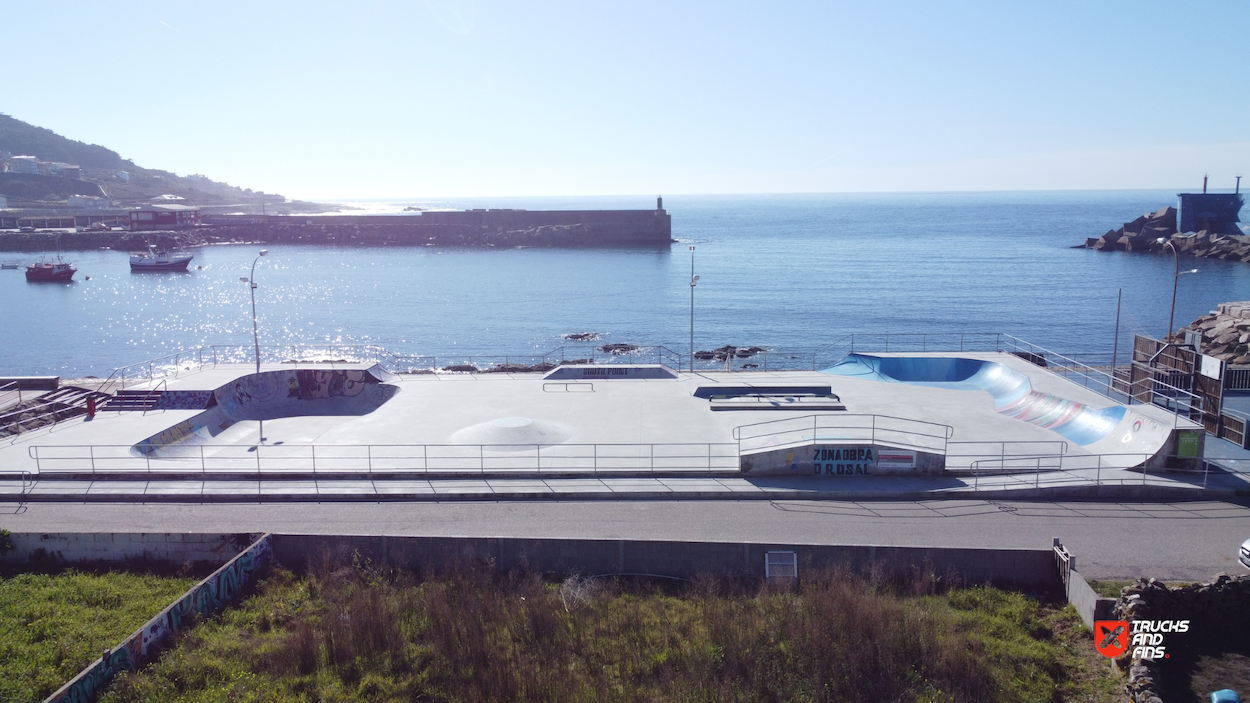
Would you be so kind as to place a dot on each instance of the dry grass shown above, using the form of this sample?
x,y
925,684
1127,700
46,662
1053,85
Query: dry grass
x,y
355,633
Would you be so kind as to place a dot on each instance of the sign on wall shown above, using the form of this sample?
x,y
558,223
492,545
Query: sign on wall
x,y
1188,443
1211,367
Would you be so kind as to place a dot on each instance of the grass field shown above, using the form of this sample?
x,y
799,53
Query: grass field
x,y
355,633
54,625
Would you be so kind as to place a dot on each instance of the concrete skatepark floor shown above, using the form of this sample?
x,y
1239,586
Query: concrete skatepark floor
x,y
651,438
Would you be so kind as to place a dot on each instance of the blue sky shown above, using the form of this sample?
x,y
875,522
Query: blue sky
x,y
482,98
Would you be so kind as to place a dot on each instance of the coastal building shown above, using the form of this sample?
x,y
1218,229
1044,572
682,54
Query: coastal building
x,y
24,164
47,221
164,217
4,203
56,168
88,201
123,176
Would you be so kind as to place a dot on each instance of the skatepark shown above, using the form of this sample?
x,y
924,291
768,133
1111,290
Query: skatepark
x,y
885,425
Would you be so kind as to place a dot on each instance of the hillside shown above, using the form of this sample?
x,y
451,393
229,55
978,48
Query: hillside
x,y
21,138
102,169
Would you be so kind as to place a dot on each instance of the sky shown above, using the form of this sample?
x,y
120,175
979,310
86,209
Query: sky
x,y
475,98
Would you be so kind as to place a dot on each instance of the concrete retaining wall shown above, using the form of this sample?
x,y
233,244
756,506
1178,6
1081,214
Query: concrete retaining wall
x,y
837,460
171,547
680,559
1022,567
1089,605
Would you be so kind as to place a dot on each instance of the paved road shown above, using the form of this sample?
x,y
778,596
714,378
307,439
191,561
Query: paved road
x,y
1178,541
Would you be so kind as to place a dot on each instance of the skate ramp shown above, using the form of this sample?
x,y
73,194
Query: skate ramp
x,y
272,395
1011,390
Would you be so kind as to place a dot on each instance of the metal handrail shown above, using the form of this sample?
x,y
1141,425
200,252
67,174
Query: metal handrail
x,y
1033,449
27,478
694,457
13,386
1064,464
49,413
947,430
155,389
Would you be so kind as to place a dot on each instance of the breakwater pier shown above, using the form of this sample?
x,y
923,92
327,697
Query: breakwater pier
x,y
462,228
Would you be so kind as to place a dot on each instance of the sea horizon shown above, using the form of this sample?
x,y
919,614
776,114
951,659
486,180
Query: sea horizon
x,y
779,271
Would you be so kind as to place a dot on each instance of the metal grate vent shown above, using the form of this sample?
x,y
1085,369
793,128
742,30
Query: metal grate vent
x,y
781,566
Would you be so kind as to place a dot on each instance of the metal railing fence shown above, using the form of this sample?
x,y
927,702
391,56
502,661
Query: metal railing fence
x,y
1178,401
375,459
1079,470
843,427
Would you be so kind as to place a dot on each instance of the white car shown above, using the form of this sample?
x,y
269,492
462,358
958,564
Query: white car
x,y
1245,554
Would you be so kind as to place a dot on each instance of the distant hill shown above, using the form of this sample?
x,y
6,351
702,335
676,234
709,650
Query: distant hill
x,y
101,167
29,187
22,138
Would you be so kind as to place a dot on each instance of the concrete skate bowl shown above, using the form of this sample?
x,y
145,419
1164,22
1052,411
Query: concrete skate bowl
x,y
1126,437
272,395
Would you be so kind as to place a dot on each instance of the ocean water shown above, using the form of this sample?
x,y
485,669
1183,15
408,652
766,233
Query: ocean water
x,y
786,272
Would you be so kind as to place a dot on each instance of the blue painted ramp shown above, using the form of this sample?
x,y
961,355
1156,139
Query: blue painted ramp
x,y
1012,392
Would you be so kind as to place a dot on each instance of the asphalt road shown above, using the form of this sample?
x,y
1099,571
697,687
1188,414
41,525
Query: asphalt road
x,y
1169,541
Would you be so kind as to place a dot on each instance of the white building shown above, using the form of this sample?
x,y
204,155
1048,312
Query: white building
x,y
123,176
89,201
24,164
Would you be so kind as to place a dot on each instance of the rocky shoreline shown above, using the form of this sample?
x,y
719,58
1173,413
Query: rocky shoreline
x,y
1225,332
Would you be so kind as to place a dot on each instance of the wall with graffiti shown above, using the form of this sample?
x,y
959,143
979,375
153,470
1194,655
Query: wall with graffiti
x,y
270,395
207,597
184,400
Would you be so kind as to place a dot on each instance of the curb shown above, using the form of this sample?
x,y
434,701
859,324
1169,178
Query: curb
x,y
1099,493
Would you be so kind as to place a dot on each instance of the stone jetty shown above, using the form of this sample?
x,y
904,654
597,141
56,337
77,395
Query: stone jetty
x,y
468,228
1207,225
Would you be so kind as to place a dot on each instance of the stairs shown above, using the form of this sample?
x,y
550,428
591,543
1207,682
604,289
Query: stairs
x,y
133,400
48,409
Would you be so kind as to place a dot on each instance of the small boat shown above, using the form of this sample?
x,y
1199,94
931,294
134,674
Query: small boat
x,y
160,260
8,266
50,271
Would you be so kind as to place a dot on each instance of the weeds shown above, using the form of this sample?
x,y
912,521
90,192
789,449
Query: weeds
x,y
349,631
53,625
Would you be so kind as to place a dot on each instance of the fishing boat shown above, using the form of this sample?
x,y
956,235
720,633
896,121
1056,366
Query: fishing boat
x,y
50,271
160,260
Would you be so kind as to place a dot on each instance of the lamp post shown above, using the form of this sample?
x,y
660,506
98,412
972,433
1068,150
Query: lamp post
x,y
1177,273
693,280
251,281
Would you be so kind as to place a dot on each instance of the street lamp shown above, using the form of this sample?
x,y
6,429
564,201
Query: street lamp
x,y
251,280
1177,273
693,280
